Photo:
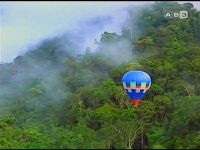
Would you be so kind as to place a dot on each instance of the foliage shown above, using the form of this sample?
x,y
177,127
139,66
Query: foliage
x,y
62,100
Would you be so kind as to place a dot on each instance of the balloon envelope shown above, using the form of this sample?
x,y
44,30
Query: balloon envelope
x,y
136,83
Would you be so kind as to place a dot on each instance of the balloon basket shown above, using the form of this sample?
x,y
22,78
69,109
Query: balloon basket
x,y
135,102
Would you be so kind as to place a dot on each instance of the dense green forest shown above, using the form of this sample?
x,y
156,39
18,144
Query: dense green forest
x,y
53,98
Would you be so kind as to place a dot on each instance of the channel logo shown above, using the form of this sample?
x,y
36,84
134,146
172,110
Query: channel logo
x,y
174,14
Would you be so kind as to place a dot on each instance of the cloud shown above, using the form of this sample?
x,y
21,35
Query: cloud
x,y
25,23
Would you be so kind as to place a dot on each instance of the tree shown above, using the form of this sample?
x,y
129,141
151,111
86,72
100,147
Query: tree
x,y
36,93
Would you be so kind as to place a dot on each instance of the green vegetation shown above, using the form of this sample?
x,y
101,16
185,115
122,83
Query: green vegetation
x,y
52,99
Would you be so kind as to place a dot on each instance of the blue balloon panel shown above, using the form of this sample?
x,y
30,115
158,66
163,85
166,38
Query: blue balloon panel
x,y
136,83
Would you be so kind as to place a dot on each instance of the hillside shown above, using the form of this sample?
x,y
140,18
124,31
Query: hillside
x,y
52,97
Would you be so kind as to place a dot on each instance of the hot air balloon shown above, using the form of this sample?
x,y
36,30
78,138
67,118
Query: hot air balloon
x,y
136,83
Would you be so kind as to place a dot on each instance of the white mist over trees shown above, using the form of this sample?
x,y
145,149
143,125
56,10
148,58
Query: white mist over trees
x,y
63,94
35,22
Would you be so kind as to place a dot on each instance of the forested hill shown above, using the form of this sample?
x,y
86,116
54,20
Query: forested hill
x,y
54,97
